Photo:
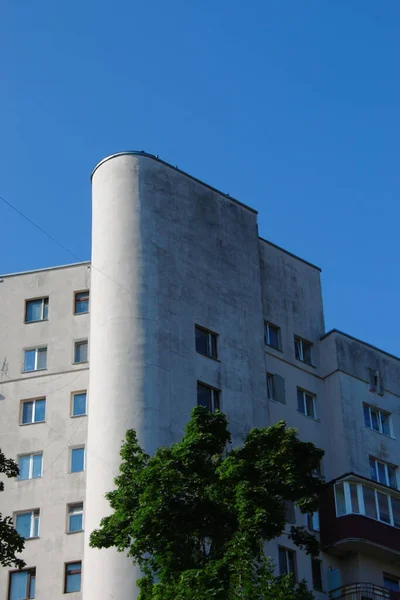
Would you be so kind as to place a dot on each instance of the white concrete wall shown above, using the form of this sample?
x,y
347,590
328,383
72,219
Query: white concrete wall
x,y
58,486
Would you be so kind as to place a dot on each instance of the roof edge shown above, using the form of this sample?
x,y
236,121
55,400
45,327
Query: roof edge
x,y
351,337
78,264
175,168
290,254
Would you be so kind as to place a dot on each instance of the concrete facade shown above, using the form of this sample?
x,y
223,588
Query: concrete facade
x,y
169,253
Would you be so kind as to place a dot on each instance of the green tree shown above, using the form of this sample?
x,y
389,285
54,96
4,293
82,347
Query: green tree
x,y
10,541
195,517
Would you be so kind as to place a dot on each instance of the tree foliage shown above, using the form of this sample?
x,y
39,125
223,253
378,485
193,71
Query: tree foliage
x,y
10,541
196,516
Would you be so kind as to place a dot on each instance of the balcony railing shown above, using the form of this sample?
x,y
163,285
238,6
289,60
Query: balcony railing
x,y
363,591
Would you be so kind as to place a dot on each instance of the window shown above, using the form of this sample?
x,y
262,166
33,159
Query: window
x,y
383,472
35,359
376,382
302,350
78,404
207,397
36,310
306,403
272,336
33,411
276,388
206,342
27,524
356,498
313,521
30,466
77,459
377,419
81,352
290,512
391,583
75,517
81,302
22,584
316,574
287,560
73,573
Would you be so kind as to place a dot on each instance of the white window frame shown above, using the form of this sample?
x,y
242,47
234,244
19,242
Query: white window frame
x,y
79,447
31,464
34,516
36,350
379,413
34,400
361,505
78,512
267,335
300,344
386,467
78,393
314,403
44,303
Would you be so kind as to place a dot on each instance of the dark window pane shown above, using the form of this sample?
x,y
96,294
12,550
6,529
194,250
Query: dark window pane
x,y
396,511
390,583
204,396
213,343
372,469
307,353
354,498
375,420
282,562
34,310
369,502
46,309
81,352
300,401
27,412
310,410
297,349
290,512
392,476
340,500
385,423
316,574
273,336
367,416
383,505
201,341
291,562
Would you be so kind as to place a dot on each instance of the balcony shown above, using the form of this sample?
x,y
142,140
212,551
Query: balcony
x,y
359,515
363,591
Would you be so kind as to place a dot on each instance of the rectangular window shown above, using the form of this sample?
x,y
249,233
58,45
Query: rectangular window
x,y
78,404
383,472
287,561
377,419
272,336
302,350
81,352
376,382
276,388
36,310
81,302
391,583
75,517
290,512
77,459
30,466
22,585
313,521
306,403
206,342
27,524
316,574
73,572
340,500
207,397
35,359
33,411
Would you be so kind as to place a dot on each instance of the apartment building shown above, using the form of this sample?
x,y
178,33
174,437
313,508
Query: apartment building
x,y
183,303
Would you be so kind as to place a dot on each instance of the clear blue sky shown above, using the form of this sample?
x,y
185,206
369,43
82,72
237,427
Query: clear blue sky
x,y
291,106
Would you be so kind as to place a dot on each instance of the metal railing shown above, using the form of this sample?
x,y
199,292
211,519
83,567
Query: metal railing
x,y
363,591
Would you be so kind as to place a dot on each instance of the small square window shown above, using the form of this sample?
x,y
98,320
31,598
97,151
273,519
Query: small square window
x,y
287,561
302,350
36,310
77,459
207,397
306,403
73,573
272,336
81,352
81,302
35,359
78,404
33,411
22,585
316,574
206,342
75,517
30,466
27,524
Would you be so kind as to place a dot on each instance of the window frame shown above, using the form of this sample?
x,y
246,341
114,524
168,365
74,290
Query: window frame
x,y
392,578
76,572
27,401
312,520
78,447
31,455
287,551
361,504
215,394
36,350
319,586
78,393
84,312
31,574
211,335
80,343
82,512
301,341
386,466
379,412
34,514
270,386
314,403
267,337
45,304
